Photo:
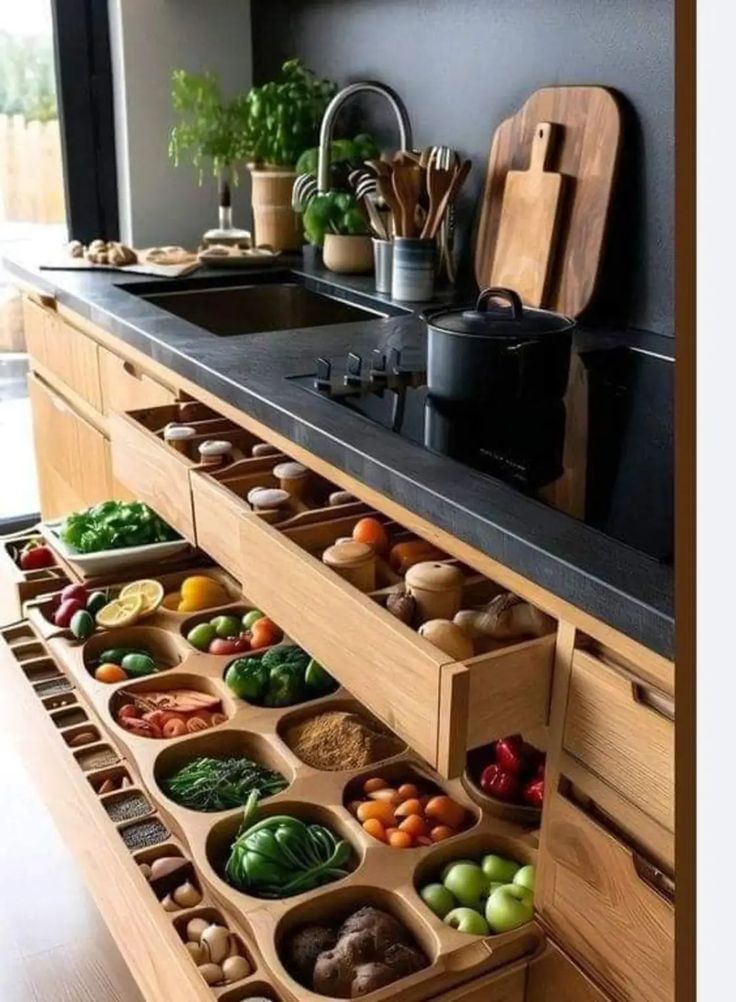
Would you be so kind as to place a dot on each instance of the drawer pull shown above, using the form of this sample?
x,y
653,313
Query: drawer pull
x,y
654,877
59,404
654,700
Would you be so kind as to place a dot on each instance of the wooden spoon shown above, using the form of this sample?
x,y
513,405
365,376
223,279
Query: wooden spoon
x,y
438,182
386,191
407,181
434,222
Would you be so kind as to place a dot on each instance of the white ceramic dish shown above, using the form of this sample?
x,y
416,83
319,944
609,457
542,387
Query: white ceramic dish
x,y
108,561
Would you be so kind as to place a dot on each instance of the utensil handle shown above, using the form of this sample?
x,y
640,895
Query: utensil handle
x,y
540,146
498,292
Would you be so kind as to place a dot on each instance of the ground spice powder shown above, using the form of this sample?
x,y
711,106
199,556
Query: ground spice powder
x,y
337,740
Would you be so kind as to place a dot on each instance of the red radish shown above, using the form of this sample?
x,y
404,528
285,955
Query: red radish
x,y
234,645
75,591
496,782
63,615
510,754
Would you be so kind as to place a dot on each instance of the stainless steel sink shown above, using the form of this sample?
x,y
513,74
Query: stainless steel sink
x,y
256,308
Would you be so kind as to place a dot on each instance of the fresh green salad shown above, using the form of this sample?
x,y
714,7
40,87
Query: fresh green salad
x,y
113,525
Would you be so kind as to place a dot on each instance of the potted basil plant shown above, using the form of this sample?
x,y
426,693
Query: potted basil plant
x,y
210,130
282,120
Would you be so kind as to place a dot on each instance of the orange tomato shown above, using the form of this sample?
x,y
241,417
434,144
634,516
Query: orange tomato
x,y
409,807
441,832
386,796
374,827
445,811
174,728
376,783
407,791
415,825
374,809
109,673
400,840
370,531
265,632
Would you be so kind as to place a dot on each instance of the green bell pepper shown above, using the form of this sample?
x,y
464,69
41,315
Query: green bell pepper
x,y
248,678
285,685
317,680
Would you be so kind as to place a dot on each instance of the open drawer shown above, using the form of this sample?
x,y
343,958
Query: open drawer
x,y
624,733
154,470
18,586
440,706
610,906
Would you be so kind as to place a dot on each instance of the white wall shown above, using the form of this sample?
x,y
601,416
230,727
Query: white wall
x,y
160,203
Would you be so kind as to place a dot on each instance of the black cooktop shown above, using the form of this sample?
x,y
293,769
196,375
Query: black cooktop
x,y
616,469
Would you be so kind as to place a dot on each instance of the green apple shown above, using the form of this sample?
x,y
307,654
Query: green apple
x,y
250,618
201,636
509,907
467,920
468,883
498,869
526,877
438,899
448,866
227,626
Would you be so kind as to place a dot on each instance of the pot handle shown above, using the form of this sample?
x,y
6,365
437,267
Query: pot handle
x,y
498,292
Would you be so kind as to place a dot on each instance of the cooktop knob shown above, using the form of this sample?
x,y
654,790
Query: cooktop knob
x,y
354,368
323,376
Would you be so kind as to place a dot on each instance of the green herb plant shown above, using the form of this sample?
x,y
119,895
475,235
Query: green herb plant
x,y
113,525
283,116
281,855
220,784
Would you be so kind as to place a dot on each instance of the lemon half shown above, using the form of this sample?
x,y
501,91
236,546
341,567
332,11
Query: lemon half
x,y
120,612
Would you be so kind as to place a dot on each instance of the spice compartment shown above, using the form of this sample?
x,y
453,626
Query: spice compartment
x,y
157,472
17,586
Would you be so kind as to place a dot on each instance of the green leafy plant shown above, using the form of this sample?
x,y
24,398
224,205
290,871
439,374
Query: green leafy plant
x,y
209,127
284,116
218,784
333,212
113,525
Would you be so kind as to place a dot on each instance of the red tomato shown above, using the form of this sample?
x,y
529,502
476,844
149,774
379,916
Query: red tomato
x,y
35,557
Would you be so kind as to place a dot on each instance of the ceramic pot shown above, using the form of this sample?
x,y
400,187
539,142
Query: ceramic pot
x,y
348,255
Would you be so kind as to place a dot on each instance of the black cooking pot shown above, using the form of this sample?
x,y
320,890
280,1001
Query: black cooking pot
x,y
497,354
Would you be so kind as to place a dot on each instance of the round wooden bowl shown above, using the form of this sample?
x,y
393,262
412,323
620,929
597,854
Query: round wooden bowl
x,y
520,814
347,254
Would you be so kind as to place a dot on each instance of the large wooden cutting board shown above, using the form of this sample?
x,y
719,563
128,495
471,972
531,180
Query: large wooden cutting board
x,y
528,224
589,124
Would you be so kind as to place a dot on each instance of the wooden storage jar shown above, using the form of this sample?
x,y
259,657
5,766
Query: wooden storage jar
x,y
437,589
274,221
355,562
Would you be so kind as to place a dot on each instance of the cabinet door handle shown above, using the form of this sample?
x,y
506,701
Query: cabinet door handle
x,y
655,878
131,370
60,404
653,699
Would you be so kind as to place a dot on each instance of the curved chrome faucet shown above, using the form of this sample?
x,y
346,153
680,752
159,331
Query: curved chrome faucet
x,y
325,132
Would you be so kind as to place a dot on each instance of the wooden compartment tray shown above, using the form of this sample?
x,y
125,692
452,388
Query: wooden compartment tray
x,y
613,910
154,470
382,876
439,707
17,585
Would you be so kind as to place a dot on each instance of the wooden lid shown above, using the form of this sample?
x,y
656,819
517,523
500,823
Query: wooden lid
x,y
215,447
268,498
434,576
348,553
290,471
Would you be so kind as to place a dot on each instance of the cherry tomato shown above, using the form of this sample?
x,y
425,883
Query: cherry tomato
x,y
233,645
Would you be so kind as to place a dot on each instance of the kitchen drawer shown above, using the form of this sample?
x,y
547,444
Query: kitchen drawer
x,y
72,456
504,985
624,733
157,473
598,896
126,387
63,351
553,977
439,707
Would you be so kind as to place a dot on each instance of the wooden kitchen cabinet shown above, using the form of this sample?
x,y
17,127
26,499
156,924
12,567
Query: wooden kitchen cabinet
x,y
72,456
506,985
125,386
553,977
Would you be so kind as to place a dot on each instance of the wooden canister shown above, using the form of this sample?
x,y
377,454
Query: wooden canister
x,y
436,588
356,562
274,221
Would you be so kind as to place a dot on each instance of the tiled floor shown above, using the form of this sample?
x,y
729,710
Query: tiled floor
x,y
18,490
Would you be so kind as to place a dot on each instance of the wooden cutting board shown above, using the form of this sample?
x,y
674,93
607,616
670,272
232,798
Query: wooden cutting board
x,y
586,154
528,224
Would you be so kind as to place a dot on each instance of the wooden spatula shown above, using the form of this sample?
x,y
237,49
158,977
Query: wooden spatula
x,y
528,224
407,182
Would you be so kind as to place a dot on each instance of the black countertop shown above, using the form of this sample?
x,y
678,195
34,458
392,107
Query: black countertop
x,y
607,579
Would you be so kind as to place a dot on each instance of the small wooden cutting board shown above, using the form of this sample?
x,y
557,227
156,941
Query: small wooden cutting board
x,y
528,224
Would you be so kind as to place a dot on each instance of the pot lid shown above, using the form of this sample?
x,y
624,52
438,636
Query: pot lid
x,y
508,318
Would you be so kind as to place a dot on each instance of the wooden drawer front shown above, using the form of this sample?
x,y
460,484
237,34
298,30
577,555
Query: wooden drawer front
x,y
438,707
153,472
553,977
502,986
72,456
594,898
626,742
65,352
125,387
